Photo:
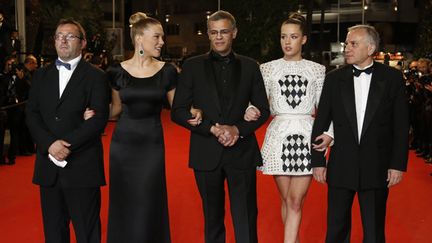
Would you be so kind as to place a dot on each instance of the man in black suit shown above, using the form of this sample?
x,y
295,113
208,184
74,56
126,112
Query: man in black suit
x,y
367,103
17,88
59,95
223,146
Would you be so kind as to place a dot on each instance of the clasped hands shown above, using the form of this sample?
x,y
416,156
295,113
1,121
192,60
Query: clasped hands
x,y
59,150
227,135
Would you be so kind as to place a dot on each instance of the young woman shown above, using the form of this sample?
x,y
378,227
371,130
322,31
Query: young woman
x,y
293,87
141,87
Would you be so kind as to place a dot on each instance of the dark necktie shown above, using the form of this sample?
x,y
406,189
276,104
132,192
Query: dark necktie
x,y
60,63
357,72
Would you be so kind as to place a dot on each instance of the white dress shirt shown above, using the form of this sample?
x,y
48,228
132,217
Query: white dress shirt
x,y
361,92
65,74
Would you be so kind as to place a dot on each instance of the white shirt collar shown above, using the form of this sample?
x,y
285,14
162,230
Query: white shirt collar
x,y
370,65
74,62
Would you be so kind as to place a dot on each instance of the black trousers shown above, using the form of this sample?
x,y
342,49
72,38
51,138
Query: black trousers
x,y
372,209
79,205
15,119
243,202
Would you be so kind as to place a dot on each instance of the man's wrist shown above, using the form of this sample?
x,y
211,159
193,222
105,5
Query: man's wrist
x,y
212,129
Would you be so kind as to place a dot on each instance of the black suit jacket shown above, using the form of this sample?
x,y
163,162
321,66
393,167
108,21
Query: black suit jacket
x,y
197,87
50,118
384,137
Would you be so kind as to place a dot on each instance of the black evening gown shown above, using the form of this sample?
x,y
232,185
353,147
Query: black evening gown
x,y
138,207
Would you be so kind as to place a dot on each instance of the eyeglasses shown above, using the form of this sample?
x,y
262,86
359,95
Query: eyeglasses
x,y
68,37
223,32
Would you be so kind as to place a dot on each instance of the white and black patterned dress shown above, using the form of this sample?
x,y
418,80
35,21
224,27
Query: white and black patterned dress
x,y
293,88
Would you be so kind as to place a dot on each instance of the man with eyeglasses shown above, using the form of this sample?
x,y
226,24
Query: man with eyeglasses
x,y
69,164
367,104
223,146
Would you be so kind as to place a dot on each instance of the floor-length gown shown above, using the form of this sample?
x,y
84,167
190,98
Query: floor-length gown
x,y
138,208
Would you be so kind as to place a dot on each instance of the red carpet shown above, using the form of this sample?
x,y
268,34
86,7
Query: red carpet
x,y
409,205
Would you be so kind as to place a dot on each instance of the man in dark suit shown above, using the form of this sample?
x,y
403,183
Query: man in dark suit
x,y
69,163
367,103
223,146
17,88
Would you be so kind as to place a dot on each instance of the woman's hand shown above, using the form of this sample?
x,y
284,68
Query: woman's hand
x,y
196,117
88,114
322,142
252,114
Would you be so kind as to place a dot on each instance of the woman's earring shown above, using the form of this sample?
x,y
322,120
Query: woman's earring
x,y
141,52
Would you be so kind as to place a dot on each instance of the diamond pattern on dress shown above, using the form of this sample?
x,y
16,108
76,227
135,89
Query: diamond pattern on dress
x,y
294,88
295,154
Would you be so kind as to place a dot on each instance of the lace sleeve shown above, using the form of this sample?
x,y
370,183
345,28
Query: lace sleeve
x,y
266,70
320,75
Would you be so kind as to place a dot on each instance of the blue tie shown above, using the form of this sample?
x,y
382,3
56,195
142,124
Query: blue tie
x,y
60,63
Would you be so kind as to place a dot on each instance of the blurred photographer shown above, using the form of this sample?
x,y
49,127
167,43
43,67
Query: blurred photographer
x,y
411,76
30,66
12,77
26,143
424,109
3,118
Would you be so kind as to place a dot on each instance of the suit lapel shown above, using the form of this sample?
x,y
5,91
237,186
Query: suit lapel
x,y
234,81
53,88
376,90
211,81
348,99
75,79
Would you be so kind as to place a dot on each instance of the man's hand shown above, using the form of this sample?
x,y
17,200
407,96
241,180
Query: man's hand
x,y
59,150
320,174
252,114
216,131
394,177
325,142
230,135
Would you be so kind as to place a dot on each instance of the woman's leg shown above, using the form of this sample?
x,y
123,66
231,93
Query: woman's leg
x,y
293,190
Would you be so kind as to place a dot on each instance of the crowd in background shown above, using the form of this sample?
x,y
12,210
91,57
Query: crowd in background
x,y
16,69
419,88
